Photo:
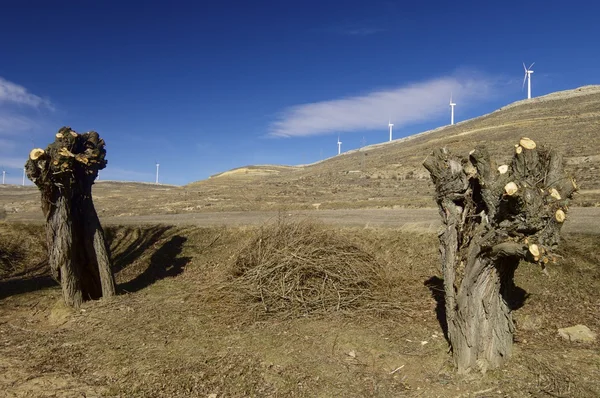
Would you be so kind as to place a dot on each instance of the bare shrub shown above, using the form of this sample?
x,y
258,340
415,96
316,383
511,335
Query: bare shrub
x,y
296,267
22,250
11,256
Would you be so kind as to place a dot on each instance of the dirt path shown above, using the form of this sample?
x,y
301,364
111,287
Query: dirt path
x,y
583,220
580,219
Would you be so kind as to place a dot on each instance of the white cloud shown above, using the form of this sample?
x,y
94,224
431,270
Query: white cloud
x,y
13,93
20,110
21,116
405,105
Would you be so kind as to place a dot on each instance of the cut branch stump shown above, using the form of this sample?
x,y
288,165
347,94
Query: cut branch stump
x,y
78,254
493,217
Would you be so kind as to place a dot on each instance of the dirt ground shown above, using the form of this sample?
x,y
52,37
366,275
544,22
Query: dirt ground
x,y
580,219
175,330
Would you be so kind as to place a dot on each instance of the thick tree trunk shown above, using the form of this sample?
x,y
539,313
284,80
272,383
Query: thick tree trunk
x,y
78,255
481,326
492,219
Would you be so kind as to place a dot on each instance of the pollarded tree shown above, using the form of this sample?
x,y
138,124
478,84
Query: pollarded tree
x,y
78,255
493,217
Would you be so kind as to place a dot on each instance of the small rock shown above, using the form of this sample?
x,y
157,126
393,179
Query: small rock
x,y
352,354
580,333
60,313
213,395
529,322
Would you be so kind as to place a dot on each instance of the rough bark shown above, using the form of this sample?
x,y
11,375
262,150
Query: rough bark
x,y
493,217
78,255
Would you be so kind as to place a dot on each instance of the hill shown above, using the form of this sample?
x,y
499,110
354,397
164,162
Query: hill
x,y
384,175
390,174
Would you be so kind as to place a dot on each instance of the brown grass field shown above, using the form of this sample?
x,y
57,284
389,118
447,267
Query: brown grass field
x,y
224,294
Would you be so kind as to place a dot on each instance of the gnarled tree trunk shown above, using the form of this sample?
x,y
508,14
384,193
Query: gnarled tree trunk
x,y
78,255
492,219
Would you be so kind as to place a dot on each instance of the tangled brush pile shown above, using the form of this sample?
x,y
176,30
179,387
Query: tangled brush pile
x,y
300,267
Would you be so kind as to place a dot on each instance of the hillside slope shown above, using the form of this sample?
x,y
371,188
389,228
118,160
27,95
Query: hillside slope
x,y
390,174
378,176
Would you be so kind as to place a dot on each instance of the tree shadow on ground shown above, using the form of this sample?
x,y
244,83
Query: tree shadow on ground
x,y
22,278
136,240
514,296
18,285
436,287
165,262
127,245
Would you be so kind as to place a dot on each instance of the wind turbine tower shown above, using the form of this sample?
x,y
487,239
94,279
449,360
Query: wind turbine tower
x,y
23,176
528,72
157,166
452,105
390,125
339,145
3,176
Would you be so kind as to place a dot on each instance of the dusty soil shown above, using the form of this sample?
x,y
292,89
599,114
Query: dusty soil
x,y
580,219
177,329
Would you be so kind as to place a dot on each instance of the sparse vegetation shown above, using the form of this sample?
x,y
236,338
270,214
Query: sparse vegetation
x,y
11,255
176,337
22,250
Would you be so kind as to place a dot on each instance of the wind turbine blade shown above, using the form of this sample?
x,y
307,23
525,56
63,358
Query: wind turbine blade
x,y
524,79
524,67
530,66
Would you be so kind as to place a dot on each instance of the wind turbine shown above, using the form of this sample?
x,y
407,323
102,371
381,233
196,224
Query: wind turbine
x,y
452,105
390,125
339,145
3,175
527,77
157,165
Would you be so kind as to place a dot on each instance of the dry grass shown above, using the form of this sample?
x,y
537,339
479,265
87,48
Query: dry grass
x,y
188,330
294,268
11,256
22,250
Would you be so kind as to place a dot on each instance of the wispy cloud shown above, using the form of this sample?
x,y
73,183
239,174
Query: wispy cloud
x,y
19,108
16,94
405,105
22,114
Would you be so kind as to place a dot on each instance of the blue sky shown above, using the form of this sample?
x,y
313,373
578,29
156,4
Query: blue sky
x,y
206,86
